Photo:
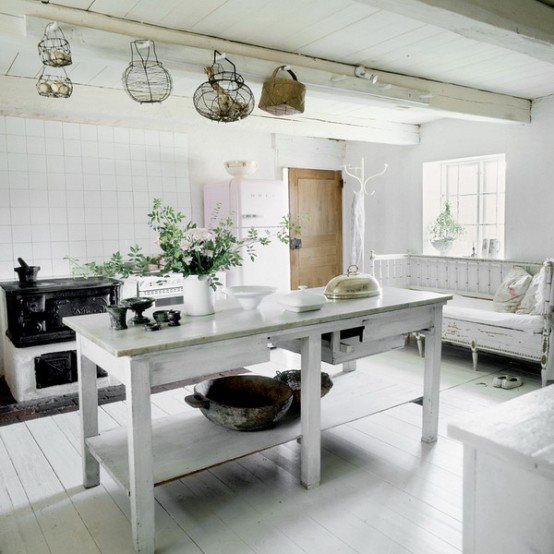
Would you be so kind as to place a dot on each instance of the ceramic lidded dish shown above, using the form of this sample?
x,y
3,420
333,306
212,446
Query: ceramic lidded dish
x,y
302,300
352,285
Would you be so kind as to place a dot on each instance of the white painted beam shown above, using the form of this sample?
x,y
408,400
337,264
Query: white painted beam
x,y
524,26
113,107
452,101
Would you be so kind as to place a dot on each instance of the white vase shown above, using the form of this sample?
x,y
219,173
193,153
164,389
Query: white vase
x,y
442,245
198,295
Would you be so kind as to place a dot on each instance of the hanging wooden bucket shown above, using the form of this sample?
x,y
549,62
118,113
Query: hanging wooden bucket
x,y
282,96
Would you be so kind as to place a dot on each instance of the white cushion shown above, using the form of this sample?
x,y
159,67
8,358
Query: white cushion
x,y
529,303
487,316
510,293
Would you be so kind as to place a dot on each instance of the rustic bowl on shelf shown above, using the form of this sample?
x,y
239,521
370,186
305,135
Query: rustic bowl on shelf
x,y
242,402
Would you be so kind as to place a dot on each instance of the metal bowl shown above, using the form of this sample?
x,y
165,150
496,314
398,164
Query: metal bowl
x,y
293,378
242,402
352,285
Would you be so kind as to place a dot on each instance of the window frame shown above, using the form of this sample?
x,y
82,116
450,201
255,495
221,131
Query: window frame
x,y
437,190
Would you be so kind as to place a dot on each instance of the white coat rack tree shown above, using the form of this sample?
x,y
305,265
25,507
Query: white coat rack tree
x,y
357,215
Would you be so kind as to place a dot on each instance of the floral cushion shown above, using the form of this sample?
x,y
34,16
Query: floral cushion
x,y
510,293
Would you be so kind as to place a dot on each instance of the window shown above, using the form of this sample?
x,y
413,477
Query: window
x,y
475,190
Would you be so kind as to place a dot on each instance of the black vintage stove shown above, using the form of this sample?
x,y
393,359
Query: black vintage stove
x,y
35,310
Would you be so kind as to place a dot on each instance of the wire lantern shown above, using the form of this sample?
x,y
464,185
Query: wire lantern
x,y
54,49
224,96
54,85
146,80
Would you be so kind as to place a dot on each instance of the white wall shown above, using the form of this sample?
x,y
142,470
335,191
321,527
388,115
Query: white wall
x,y
70,189
394,214
52,204
81,190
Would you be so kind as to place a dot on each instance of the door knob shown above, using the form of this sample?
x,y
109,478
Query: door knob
x,y
295,244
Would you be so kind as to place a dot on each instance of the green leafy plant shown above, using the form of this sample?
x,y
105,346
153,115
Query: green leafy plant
x,y
192,250
445,227
186,248
117,266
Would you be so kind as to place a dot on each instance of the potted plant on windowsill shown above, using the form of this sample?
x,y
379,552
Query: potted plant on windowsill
x,y
444,231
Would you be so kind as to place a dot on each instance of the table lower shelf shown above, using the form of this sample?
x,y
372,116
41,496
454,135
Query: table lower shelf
x,y
189,442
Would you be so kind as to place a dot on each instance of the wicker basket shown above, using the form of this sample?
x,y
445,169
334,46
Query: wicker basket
x,y
282,96
292,378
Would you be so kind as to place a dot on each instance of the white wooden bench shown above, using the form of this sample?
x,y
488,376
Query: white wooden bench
x,y
469,319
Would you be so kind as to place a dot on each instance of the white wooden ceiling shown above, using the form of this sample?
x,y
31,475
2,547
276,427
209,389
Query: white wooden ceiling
x,y
480,59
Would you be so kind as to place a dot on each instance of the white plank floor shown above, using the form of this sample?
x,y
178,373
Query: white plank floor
x,y
382,491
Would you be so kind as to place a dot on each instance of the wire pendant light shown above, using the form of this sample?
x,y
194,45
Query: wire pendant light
x,y
146,80
224,96
54,49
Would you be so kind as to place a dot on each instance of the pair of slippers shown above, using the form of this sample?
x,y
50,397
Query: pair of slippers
x,y
506,382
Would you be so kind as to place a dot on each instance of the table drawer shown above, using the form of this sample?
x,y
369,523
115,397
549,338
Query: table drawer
x,y
196,361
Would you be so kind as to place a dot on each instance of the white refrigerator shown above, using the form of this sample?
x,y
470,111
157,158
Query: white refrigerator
x,y
253,203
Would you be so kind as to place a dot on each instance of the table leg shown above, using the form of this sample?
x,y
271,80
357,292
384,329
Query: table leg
x,y
88,406
311,411
469,500
431,379
139,437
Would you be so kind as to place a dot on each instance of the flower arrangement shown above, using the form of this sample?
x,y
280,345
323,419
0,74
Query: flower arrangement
x,y
186,248
192,250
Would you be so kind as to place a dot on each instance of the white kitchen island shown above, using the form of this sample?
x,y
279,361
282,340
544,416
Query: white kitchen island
x,y
149,453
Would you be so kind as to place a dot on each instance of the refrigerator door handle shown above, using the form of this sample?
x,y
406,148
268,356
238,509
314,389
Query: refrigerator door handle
x,y
251,216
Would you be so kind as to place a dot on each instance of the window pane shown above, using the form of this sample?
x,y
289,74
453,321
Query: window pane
x,y
501,204
469,179
468,239
451,180
489,209
490,181
467,210
490,232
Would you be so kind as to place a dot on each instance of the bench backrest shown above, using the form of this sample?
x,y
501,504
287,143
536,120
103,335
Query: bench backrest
x,y
475,277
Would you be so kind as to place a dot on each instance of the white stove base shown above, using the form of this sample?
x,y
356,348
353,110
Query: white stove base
x,y
19,371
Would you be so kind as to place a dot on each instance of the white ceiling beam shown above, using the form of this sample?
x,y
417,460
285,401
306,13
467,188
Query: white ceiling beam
x,y
451,100
524,26
110,106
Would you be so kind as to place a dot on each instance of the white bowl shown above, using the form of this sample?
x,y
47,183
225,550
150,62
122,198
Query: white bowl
x,y
249,296
240,168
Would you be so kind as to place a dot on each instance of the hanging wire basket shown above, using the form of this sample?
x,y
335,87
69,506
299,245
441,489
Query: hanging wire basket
x,y
146,80
224,97
54,49
57,85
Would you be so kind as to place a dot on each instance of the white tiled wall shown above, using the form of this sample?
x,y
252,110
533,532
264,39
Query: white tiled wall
x,y
70,189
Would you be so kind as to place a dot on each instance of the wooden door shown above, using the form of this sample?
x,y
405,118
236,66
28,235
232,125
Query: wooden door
x,y
315,198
